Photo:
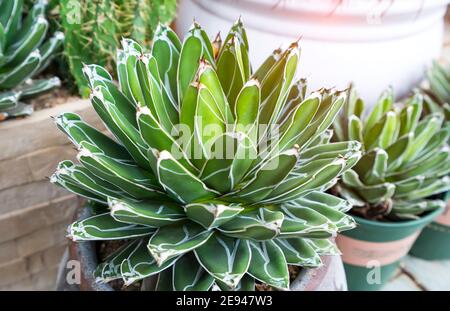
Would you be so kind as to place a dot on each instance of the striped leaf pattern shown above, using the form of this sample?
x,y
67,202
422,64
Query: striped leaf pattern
x,y
24,53
214,176
94,30
406,158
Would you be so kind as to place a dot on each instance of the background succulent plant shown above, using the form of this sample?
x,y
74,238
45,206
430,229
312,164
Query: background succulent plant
x,y
437,90
210,219
24,53
94,29
405,159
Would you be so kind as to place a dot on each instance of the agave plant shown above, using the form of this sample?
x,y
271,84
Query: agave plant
x,y
405,159
437,90
94,29
223,217
24,53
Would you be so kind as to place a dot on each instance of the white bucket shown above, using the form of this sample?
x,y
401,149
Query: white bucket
x,y
373,43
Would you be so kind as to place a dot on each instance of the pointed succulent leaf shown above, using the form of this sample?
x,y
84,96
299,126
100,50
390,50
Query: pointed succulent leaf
x,y
9,100
212,214
329,200
246,153
297,95
412,209
339,219
298,252
264,179
109,270
188,275
148,213
268,264
75,177
304,183
424,132
246,109
135,181
49,49
78,131
18,51
247,283
166,50
196,46
160,100
259,224
140,264
324,247
20,73
209,122
298,121
178,182
158,138
217,169
383,105
330,106
438,186
120,125
267,65
302,221
275,90
410,114
105,227
208,78
396,151
355,128
36,87
164,283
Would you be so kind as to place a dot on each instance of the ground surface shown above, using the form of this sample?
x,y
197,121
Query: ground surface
x,y
420,275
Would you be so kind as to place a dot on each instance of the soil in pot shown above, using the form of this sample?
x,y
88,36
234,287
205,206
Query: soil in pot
x,y
51,99
372,251
434,241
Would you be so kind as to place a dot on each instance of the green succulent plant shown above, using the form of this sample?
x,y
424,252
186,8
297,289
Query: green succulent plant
x,y
437,90
405,159
94,29
197,214
24,53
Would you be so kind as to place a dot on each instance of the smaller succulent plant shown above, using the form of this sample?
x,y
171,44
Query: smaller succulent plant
x,y
436,90
24,53
405,159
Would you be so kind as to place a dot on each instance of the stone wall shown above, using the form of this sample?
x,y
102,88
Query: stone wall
x,y
34,214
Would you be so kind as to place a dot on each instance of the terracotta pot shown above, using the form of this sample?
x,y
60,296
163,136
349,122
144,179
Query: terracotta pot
x,y
329,277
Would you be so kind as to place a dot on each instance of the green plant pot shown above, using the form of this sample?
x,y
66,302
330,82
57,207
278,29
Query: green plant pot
x,y
372,251
434,241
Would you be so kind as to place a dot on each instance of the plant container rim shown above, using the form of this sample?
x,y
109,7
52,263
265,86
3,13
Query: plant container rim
x,y
400,224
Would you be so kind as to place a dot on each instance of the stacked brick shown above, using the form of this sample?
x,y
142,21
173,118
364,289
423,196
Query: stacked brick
x,y
34,214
